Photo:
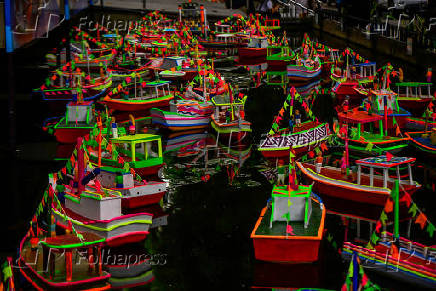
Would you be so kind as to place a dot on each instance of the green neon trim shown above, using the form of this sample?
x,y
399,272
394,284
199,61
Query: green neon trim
x,y
229,130
87,116
65,217
412,84
396,266
73,246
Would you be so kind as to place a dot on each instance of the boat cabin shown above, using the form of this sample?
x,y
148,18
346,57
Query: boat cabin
x,y
258,42
143,150
226,38
227,108
70,247
155,89
361,118
380,98
363,71
94,204
79,113
291,205
172,62
278,53
222,28
413,89
385,164
66,79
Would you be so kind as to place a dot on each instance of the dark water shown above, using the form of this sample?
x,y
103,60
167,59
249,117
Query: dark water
x,y
215,196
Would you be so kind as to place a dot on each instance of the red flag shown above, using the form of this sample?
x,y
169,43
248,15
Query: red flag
x,y
389,156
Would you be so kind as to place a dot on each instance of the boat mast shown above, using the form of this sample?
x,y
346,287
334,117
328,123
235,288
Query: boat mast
x,y
395,195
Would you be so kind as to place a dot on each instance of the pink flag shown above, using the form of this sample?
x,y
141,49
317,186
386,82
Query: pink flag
x,y
289,230
389,156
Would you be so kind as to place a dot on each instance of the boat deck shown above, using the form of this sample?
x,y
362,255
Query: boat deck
x,y
279,227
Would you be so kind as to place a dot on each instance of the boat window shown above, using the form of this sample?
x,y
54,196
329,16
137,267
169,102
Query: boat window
x,y
152,149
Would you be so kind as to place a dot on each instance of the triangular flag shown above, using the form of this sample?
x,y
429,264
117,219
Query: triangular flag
x,y
389,156
413,209
389,206
383,218
430,229
421,220
369,147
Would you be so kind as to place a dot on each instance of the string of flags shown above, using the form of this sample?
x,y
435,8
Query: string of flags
x,y
417,216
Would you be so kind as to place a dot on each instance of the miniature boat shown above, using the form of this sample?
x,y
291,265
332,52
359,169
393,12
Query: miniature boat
x,y
100,212
414,96
62,87
78,121
363,136
309,134
63,262
424,141
363,188
304,70
291,230
228,117
176,121
184,114
256,48
145,96
174,67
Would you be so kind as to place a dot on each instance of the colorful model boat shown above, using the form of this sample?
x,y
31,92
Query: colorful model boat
x,y
50,260
363,139
185,114
424,141
228,116
139,97
304,70
363,187
280,140
78,121
397,257
91,208
308,135
99,212
63,262
256,48
414,96
290,231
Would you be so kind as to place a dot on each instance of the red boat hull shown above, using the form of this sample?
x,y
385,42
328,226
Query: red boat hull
x,y
140,201
148,171
350,192
247,53
70,135
127,239
286,251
